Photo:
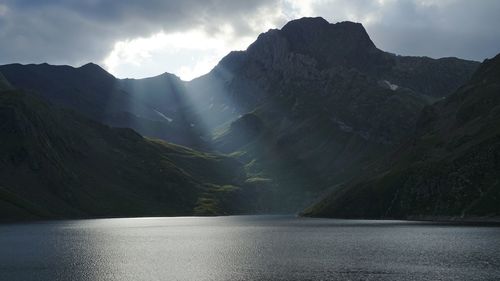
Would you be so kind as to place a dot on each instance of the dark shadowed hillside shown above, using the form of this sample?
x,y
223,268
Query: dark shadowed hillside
x,y
154,106
450,169
4,84
57,164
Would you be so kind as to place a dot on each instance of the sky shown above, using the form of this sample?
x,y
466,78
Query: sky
x,y
143,38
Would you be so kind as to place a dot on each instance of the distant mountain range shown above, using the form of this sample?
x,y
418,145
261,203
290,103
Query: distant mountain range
x,y
312,109
151,106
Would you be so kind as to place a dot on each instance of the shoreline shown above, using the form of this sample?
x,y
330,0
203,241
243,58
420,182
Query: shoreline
x,y
438,220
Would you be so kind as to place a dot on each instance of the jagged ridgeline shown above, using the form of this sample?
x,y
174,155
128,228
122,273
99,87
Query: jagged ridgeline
x,y
450,169
154,107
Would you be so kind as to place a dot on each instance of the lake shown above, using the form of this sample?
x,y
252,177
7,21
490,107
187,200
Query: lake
x,y
247,248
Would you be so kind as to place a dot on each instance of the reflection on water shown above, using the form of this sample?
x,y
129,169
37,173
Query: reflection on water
x,y
247,248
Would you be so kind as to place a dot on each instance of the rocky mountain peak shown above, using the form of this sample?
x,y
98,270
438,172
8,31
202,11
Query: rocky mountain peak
x,y
340,44
319,26
317,30
94,69
91,65
305,24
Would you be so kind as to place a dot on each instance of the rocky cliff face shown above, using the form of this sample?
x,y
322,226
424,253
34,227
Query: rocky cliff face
x,y
328,99
311,51
450,169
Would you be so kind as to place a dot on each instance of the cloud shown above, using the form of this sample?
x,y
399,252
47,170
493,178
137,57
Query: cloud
x,y
143,38
189,53
435,28
77,31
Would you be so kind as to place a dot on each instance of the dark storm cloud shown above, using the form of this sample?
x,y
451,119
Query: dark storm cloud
x,y
436,28
467,29
76,31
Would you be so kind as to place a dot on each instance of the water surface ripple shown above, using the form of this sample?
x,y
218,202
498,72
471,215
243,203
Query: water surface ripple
x,y
247,248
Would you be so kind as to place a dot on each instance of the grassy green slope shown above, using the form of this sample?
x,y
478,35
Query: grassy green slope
x,y
54,163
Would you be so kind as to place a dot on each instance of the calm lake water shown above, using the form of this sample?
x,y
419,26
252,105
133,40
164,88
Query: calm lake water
x,y
247,248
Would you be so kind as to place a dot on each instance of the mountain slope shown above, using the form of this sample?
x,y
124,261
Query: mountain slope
x,y
451,168
56,164
327,101
93,92
4,84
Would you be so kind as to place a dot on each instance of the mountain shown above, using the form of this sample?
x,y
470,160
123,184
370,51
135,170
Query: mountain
x,y
449,169
317,102
95,93
57,164
311,51
302,52
304,108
